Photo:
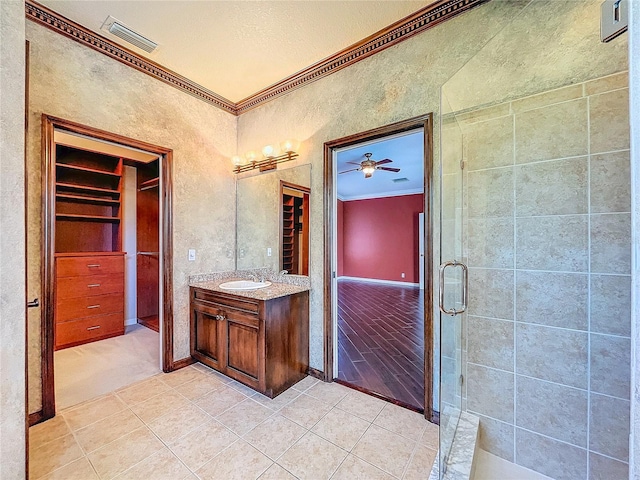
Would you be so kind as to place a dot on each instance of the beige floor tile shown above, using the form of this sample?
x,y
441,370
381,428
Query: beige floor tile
x,y
53,455
278,402
276,472
143,390
421,462
159,405
238,462
384,449
177,423
244,416
275,435
202,444
330,393
46,431
181,376
79,469
430,436
306,411
200,386
341,428
242,388
92,411
305,383
107,430
123,453
220,400
162,465
312,458
401,421
362,405
353,468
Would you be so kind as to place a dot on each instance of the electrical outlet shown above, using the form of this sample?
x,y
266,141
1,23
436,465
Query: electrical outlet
x,y
192,254
269,252
402,274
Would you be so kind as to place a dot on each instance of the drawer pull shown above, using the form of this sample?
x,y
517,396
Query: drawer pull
x,y
218,317
93,265
94,327
93,306
93,285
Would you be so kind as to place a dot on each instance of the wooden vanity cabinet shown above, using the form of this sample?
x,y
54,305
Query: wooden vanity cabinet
x,y
261,343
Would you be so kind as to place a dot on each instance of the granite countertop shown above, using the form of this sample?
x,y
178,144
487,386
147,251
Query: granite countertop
x,y
274,290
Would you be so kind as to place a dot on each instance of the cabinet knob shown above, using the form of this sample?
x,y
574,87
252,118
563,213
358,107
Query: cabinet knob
x,y
219,317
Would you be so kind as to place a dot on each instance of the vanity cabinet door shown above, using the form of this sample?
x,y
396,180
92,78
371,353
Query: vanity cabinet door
x,y
209,333
245,346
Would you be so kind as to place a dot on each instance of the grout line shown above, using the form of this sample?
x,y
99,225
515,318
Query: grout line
x,y
588,433
515,296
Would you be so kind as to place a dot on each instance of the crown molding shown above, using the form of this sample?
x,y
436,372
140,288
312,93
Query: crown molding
x,y
395,33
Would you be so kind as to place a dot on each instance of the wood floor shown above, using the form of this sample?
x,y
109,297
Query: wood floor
x,y
381,339
152,322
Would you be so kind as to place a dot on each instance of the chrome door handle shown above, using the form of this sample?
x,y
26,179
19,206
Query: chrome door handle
x,y
465,287
34,303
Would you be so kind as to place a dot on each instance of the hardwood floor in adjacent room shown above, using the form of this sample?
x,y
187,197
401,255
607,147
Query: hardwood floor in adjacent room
x,y
381,339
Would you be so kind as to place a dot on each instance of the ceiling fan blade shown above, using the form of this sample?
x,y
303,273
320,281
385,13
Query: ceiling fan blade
x,y
347,171
382,162
388,169
353,163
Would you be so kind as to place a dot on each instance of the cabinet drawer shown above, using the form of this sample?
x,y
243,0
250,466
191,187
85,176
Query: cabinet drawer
x,y
86,329
75,308
225,300
90,265
71,287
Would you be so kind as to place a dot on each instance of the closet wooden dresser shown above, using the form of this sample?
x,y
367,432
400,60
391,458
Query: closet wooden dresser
x,y
89,297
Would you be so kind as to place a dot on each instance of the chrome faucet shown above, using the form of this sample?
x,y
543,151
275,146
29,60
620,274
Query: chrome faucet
x,y
283,272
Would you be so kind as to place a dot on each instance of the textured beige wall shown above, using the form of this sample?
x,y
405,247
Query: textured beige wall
x,y
12,239
71,81
258,209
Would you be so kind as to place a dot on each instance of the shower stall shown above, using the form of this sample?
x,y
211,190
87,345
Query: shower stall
x,y
535,244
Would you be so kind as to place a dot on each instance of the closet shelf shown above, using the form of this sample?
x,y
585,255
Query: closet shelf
x,y
85,199
150,183
88,188
85,169
86,218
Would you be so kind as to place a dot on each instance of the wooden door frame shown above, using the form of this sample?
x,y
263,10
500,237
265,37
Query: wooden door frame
x,y
425,122
305,190
49,123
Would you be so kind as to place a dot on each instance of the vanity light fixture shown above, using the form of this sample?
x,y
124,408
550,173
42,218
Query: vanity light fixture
x,y
270,160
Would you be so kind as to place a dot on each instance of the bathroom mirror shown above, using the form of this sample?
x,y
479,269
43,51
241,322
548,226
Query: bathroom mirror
x,y
260,227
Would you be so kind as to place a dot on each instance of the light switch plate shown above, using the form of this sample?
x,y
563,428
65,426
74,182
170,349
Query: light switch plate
x,y
192,254
614,19
269,252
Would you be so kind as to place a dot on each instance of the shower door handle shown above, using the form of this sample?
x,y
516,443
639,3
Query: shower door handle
x,y
465,287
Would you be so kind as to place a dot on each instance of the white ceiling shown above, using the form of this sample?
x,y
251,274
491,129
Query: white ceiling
x,y
405,150
237,48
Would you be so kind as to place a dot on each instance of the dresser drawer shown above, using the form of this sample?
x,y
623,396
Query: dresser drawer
x,y
72,287
75,308
87,329
90,265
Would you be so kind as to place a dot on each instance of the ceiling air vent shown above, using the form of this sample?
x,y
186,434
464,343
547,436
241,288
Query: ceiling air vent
x,y
116,28
400,180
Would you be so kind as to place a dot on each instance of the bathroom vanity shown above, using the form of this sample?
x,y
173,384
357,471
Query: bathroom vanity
x,y
258,337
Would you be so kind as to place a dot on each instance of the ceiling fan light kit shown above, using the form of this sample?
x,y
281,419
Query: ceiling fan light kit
x,y
368,166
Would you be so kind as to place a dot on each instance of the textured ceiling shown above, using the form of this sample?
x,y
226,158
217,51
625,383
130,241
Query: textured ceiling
x,y
237,48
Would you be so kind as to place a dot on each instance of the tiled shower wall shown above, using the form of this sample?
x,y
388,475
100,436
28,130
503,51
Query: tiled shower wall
x,y
546,343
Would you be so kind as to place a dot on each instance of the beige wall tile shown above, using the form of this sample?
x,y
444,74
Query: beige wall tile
x,y
557,460
483,114
490,392
609,121
491,343
556,131
557,243
609,427
553,410
611,243
610,365
552,354
490,242
552,188
490,193
488,144
610,185
452,147
554,299
275,435
608,83
604,468
384,449
312,457
611,304
491,293
238,462
496,437
558,95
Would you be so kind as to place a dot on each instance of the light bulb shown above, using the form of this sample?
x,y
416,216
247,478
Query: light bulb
x,y
268,151
236,160
368,171
289,146
251,156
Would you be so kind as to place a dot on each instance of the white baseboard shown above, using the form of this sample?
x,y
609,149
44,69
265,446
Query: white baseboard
x,y
375,280
130,321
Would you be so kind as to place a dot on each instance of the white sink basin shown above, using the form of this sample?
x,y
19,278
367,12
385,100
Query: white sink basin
x,y
243,285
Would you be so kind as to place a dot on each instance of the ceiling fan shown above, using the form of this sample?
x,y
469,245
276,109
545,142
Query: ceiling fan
x,y
369,166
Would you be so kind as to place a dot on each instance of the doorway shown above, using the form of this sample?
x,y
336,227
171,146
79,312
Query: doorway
x,y
91,237
342,290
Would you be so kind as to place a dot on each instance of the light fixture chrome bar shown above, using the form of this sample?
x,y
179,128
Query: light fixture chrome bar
x,y
266,164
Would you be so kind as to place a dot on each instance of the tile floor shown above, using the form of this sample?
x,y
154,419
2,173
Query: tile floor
x,y
195,423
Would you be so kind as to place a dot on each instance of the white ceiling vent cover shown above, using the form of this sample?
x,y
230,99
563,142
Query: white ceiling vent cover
x,y
118,29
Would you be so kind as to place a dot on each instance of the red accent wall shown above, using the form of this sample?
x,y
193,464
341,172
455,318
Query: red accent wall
x,y
379,238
